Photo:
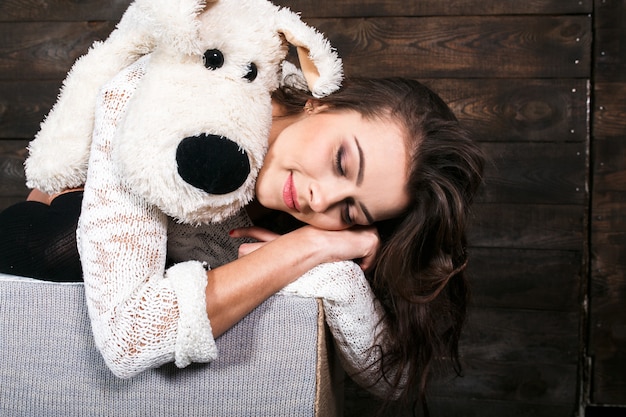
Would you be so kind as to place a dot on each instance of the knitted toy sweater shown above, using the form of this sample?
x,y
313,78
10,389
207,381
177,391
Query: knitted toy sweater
x,y
143,315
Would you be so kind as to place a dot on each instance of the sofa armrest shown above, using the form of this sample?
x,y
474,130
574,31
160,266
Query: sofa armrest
x,y
277,361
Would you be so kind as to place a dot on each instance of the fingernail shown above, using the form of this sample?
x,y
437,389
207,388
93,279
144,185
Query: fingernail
x,y
232,232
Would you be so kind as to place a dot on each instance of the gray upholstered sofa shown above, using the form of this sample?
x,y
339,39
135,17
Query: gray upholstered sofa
x,y
276,362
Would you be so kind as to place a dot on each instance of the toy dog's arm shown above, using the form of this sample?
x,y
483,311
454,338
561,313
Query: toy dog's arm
x,y
355,318
59,153
141,315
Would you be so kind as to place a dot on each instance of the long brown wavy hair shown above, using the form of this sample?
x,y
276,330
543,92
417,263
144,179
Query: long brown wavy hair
x,y
419,275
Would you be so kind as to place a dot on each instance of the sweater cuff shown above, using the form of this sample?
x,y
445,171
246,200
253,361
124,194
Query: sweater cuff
x,y
194,341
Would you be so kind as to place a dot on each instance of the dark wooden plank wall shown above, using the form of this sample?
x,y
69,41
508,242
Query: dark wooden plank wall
x,y
607,325
524,76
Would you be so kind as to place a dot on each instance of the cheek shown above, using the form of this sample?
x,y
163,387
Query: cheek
x,y
391,199
263,187
324,222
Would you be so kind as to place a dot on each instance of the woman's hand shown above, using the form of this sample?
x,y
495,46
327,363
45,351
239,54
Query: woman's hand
x,y
360,244
261,235
265,267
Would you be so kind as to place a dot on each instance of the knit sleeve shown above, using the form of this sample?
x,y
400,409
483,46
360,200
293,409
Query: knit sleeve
x,y
142,316
355,318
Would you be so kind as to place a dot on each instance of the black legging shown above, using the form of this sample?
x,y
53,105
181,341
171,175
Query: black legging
x,y
39,241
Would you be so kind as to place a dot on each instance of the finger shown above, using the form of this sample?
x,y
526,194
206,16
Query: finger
x,y
254,232
365,263
248,248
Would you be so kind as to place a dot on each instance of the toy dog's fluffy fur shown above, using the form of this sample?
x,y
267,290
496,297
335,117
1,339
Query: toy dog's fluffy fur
x,y
179,97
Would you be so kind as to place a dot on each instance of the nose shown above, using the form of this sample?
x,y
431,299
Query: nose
x,y
212,163
324,196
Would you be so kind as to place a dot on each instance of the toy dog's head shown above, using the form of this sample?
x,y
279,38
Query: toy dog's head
x,y
195,133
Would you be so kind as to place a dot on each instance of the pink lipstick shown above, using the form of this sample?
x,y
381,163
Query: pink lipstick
x,y
290,196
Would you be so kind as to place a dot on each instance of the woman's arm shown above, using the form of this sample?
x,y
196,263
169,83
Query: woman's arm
x,y
235,289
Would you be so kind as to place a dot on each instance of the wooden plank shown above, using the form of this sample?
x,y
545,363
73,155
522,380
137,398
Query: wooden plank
x,y
520,226
607,321
45,50
609,115
61,10
532,173
359,403
64,10
609,41
608,382
333,8
9,201
504,47
525,110
12,180
495,110
609,168
521,336
525,383
525,279
608,215
472,407
23,105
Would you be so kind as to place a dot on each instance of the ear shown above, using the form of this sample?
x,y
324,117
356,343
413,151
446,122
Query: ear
x,y
175,22
320,65
313,106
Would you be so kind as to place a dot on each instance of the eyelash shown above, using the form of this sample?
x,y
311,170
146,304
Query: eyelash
x,y
338,161
345,211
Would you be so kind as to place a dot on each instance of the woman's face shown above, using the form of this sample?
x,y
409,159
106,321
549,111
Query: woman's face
x,y
335,169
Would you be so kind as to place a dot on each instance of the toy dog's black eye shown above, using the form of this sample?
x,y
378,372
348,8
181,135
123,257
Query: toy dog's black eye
x,y
213,59
252,72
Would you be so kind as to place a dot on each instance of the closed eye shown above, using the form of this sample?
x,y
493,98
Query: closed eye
x,y
345,214
339,157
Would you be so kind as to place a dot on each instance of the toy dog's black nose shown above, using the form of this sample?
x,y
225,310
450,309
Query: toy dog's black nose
x,y
212,163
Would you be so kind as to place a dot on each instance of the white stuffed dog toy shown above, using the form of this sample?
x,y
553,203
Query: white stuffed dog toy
x,y
169,119
194,136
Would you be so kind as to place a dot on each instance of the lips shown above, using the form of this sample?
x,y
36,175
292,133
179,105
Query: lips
x,y
290,195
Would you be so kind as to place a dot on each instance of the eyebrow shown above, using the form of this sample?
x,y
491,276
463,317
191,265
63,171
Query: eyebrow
x,y
367,213
359,181
359,177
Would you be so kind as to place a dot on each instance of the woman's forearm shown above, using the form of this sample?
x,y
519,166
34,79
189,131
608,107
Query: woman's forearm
x,y
235,289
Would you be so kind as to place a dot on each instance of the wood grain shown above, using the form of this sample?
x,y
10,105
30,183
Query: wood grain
x,y
607,294
463,46
518,226
531,279
518,110
45,50
333,8
523,382
61,10
23,106
530,173
12,184
34,10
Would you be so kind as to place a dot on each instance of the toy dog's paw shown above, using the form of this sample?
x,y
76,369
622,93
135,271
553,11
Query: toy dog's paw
x,y
212,163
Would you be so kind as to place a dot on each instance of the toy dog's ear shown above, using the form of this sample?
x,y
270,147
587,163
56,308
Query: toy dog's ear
x,y
175,23
320,64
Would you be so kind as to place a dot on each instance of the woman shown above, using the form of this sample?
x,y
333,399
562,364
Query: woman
x,y
381,172
416,190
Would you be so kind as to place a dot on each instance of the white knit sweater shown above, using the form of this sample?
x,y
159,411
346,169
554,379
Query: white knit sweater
x,y
143,315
